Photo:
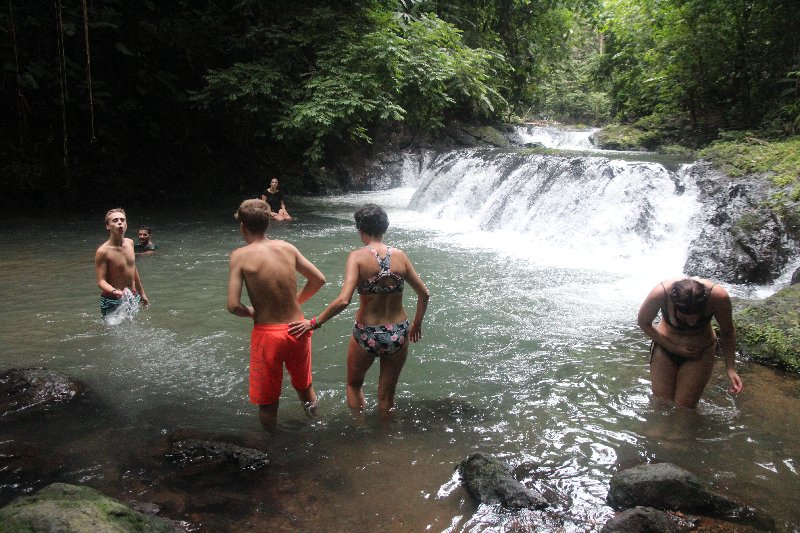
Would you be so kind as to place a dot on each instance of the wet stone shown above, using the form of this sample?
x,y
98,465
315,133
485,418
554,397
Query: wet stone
x,y
22,389
489,481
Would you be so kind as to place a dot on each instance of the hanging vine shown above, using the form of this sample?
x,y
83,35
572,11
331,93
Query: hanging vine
x,y
88,69
62,78
20,97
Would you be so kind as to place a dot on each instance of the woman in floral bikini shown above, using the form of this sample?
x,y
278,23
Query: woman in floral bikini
x,y
382,328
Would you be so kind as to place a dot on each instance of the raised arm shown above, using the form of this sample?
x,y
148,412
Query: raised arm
x,y
647,314
337,305
314,278
235,304
723,312
423,296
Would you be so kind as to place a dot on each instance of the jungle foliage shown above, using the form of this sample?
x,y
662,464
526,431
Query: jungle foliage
x,y
205,96
709,65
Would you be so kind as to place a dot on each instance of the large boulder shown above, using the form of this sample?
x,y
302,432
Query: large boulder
x,y
668,487
489,481
768,330
36,387
742,240
77,509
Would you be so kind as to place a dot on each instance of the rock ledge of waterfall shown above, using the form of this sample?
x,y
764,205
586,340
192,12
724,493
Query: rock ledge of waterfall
x,y
742,240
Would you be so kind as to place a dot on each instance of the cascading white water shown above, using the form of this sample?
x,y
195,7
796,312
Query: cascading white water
x,y
580,212
559,138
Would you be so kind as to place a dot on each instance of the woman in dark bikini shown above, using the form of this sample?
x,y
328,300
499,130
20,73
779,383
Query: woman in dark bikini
x,y
684,343
382,328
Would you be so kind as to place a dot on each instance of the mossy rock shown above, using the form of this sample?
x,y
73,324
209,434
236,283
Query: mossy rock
x,y
624,137
768,330
76,509
485,134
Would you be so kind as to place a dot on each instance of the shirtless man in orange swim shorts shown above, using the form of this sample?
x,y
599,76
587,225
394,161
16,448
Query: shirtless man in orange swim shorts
x,y
267,268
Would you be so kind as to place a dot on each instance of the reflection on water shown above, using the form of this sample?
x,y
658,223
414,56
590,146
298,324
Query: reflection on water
x,y
536,364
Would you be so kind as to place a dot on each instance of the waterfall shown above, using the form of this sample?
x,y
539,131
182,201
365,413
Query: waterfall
x,y
549,137
581,211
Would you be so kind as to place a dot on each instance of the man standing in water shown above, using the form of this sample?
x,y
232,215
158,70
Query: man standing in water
x,y
267,268
145,246
115,265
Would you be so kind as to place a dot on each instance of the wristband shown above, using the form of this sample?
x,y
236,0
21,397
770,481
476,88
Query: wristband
x,y
314,324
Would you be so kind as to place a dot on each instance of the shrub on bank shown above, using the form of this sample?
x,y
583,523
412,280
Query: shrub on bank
x,y
768,331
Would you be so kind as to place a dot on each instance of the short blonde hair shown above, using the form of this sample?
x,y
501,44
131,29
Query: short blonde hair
x,y
115,210
254,214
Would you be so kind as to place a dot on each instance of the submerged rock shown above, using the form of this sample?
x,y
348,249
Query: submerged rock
x,y
194,451
77,509
26,388
641,520
668,487
488,480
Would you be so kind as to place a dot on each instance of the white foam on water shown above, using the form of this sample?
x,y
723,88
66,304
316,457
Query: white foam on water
x,y
125,311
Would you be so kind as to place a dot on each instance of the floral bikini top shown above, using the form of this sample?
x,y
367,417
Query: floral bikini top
x,y
375,284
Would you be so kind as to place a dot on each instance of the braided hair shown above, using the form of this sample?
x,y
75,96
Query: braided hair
x,y
689,296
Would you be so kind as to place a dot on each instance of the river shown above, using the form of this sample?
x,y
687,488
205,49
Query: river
x,y
530,353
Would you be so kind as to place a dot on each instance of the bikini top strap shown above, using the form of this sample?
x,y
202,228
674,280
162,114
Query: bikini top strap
x,y
383,262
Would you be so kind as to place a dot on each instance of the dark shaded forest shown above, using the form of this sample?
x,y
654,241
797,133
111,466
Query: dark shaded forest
x,y
105,101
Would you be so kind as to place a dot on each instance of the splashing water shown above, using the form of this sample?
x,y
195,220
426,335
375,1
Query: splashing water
x,y
126,310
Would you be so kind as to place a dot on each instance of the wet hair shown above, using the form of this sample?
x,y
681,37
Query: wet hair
x,y
115,210
147,229
689,296
372,220
254,214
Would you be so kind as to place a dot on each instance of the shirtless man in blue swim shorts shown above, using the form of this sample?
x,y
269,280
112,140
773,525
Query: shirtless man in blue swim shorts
x,y
684,344
267,269
382,329
115,265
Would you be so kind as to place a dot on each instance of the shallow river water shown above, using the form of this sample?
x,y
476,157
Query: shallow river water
x,y
523,357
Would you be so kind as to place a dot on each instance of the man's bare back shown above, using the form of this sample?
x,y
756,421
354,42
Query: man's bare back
x,y
268,268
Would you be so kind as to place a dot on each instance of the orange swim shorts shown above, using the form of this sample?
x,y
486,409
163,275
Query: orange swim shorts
x,y
271,347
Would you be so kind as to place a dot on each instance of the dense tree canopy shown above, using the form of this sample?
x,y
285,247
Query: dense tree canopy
x,y
208,95
720,63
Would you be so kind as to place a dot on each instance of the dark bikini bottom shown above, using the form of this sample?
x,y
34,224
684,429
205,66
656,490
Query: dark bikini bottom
x,y
675,358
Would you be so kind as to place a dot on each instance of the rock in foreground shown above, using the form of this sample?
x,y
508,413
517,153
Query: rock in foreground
x,y
488,480
668,487
77,509
26,388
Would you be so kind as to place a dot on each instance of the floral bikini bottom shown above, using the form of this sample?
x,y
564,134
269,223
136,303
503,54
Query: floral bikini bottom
x,y
381,340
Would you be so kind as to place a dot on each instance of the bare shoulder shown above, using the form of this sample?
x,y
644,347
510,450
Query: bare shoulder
x,y
359,254
102,250
236,254
283,246
398,252
718,292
